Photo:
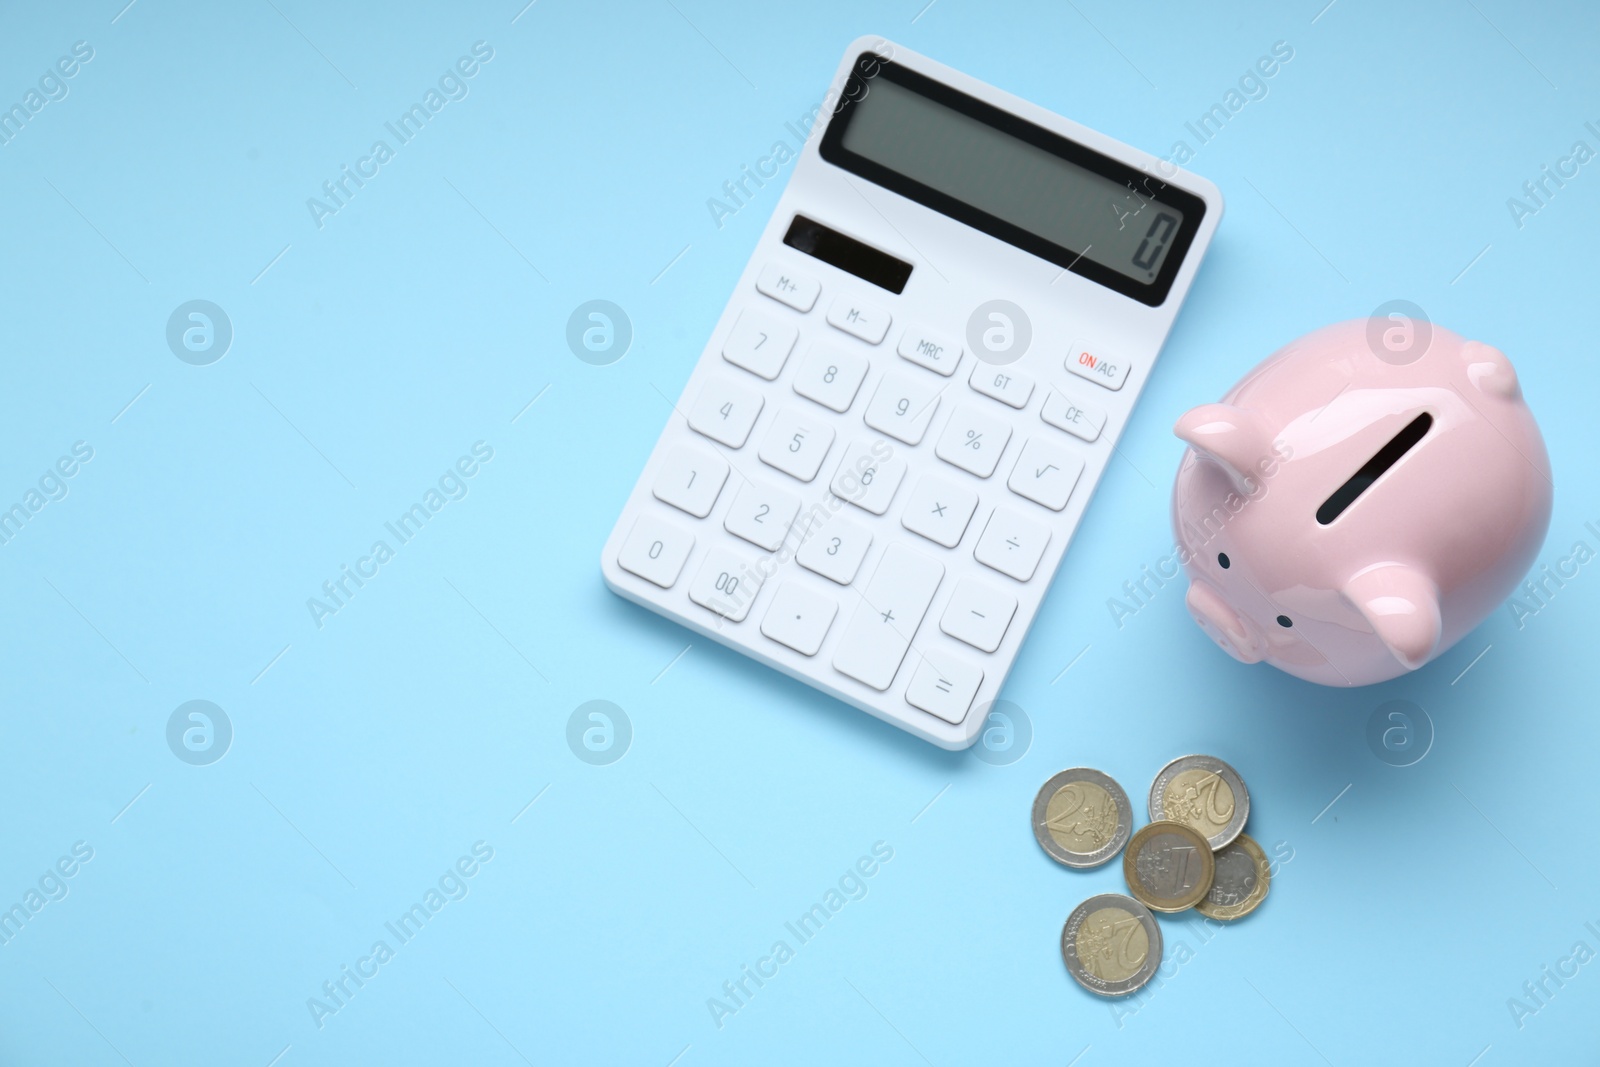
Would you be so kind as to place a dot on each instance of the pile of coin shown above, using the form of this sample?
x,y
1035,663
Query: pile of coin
x,y
1193,854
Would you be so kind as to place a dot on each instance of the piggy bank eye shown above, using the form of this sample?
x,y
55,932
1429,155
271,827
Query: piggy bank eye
x,y
1223,561
1285,622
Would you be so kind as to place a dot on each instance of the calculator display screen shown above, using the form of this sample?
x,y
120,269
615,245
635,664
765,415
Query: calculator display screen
x,y
1012,179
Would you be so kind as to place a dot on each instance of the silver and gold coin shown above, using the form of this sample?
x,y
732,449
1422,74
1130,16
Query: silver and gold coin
x,y
1241,882
1169,866
1082,818
1204,793
1111,945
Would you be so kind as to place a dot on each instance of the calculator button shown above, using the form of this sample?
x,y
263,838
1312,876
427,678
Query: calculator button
x,y
759,343
727,584
891,609
831,377
944,686
799,618
978,613
1005,385
939,510
836,550
903,406
1095,365
1045,474
973,441
932,350
796,290
690,480
867,480
1073,415
1012,544
796,444
860,319
762,515
655,550
725,411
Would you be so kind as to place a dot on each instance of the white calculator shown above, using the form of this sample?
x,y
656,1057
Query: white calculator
x,y
879,460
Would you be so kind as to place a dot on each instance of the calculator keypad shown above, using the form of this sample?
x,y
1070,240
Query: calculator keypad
x,y
952,502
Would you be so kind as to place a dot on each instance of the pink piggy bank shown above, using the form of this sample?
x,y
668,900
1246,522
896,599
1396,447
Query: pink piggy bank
x,y
1351,510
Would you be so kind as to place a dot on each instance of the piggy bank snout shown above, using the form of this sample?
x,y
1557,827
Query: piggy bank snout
x,y
1236,634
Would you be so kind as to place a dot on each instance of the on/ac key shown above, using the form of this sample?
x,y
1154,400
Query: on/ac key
x,y
1093,364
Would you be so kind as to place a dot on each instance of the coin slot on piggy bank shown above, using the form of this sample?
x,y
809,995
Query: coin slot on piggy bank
x,y
1373,469
1347,518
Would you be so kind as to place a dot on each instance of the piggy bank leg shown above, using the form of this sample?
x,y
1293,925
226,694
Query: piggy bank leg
x,y
1402,606
1490,370
1226,627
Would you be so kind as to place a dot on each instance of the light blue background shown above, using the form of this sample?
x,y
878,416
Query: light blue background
x,y
370,753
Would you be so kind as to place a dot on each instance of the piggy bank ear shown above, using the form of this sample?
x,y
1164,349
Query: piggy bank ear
x,y
1402,606
1233,437
1490,370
